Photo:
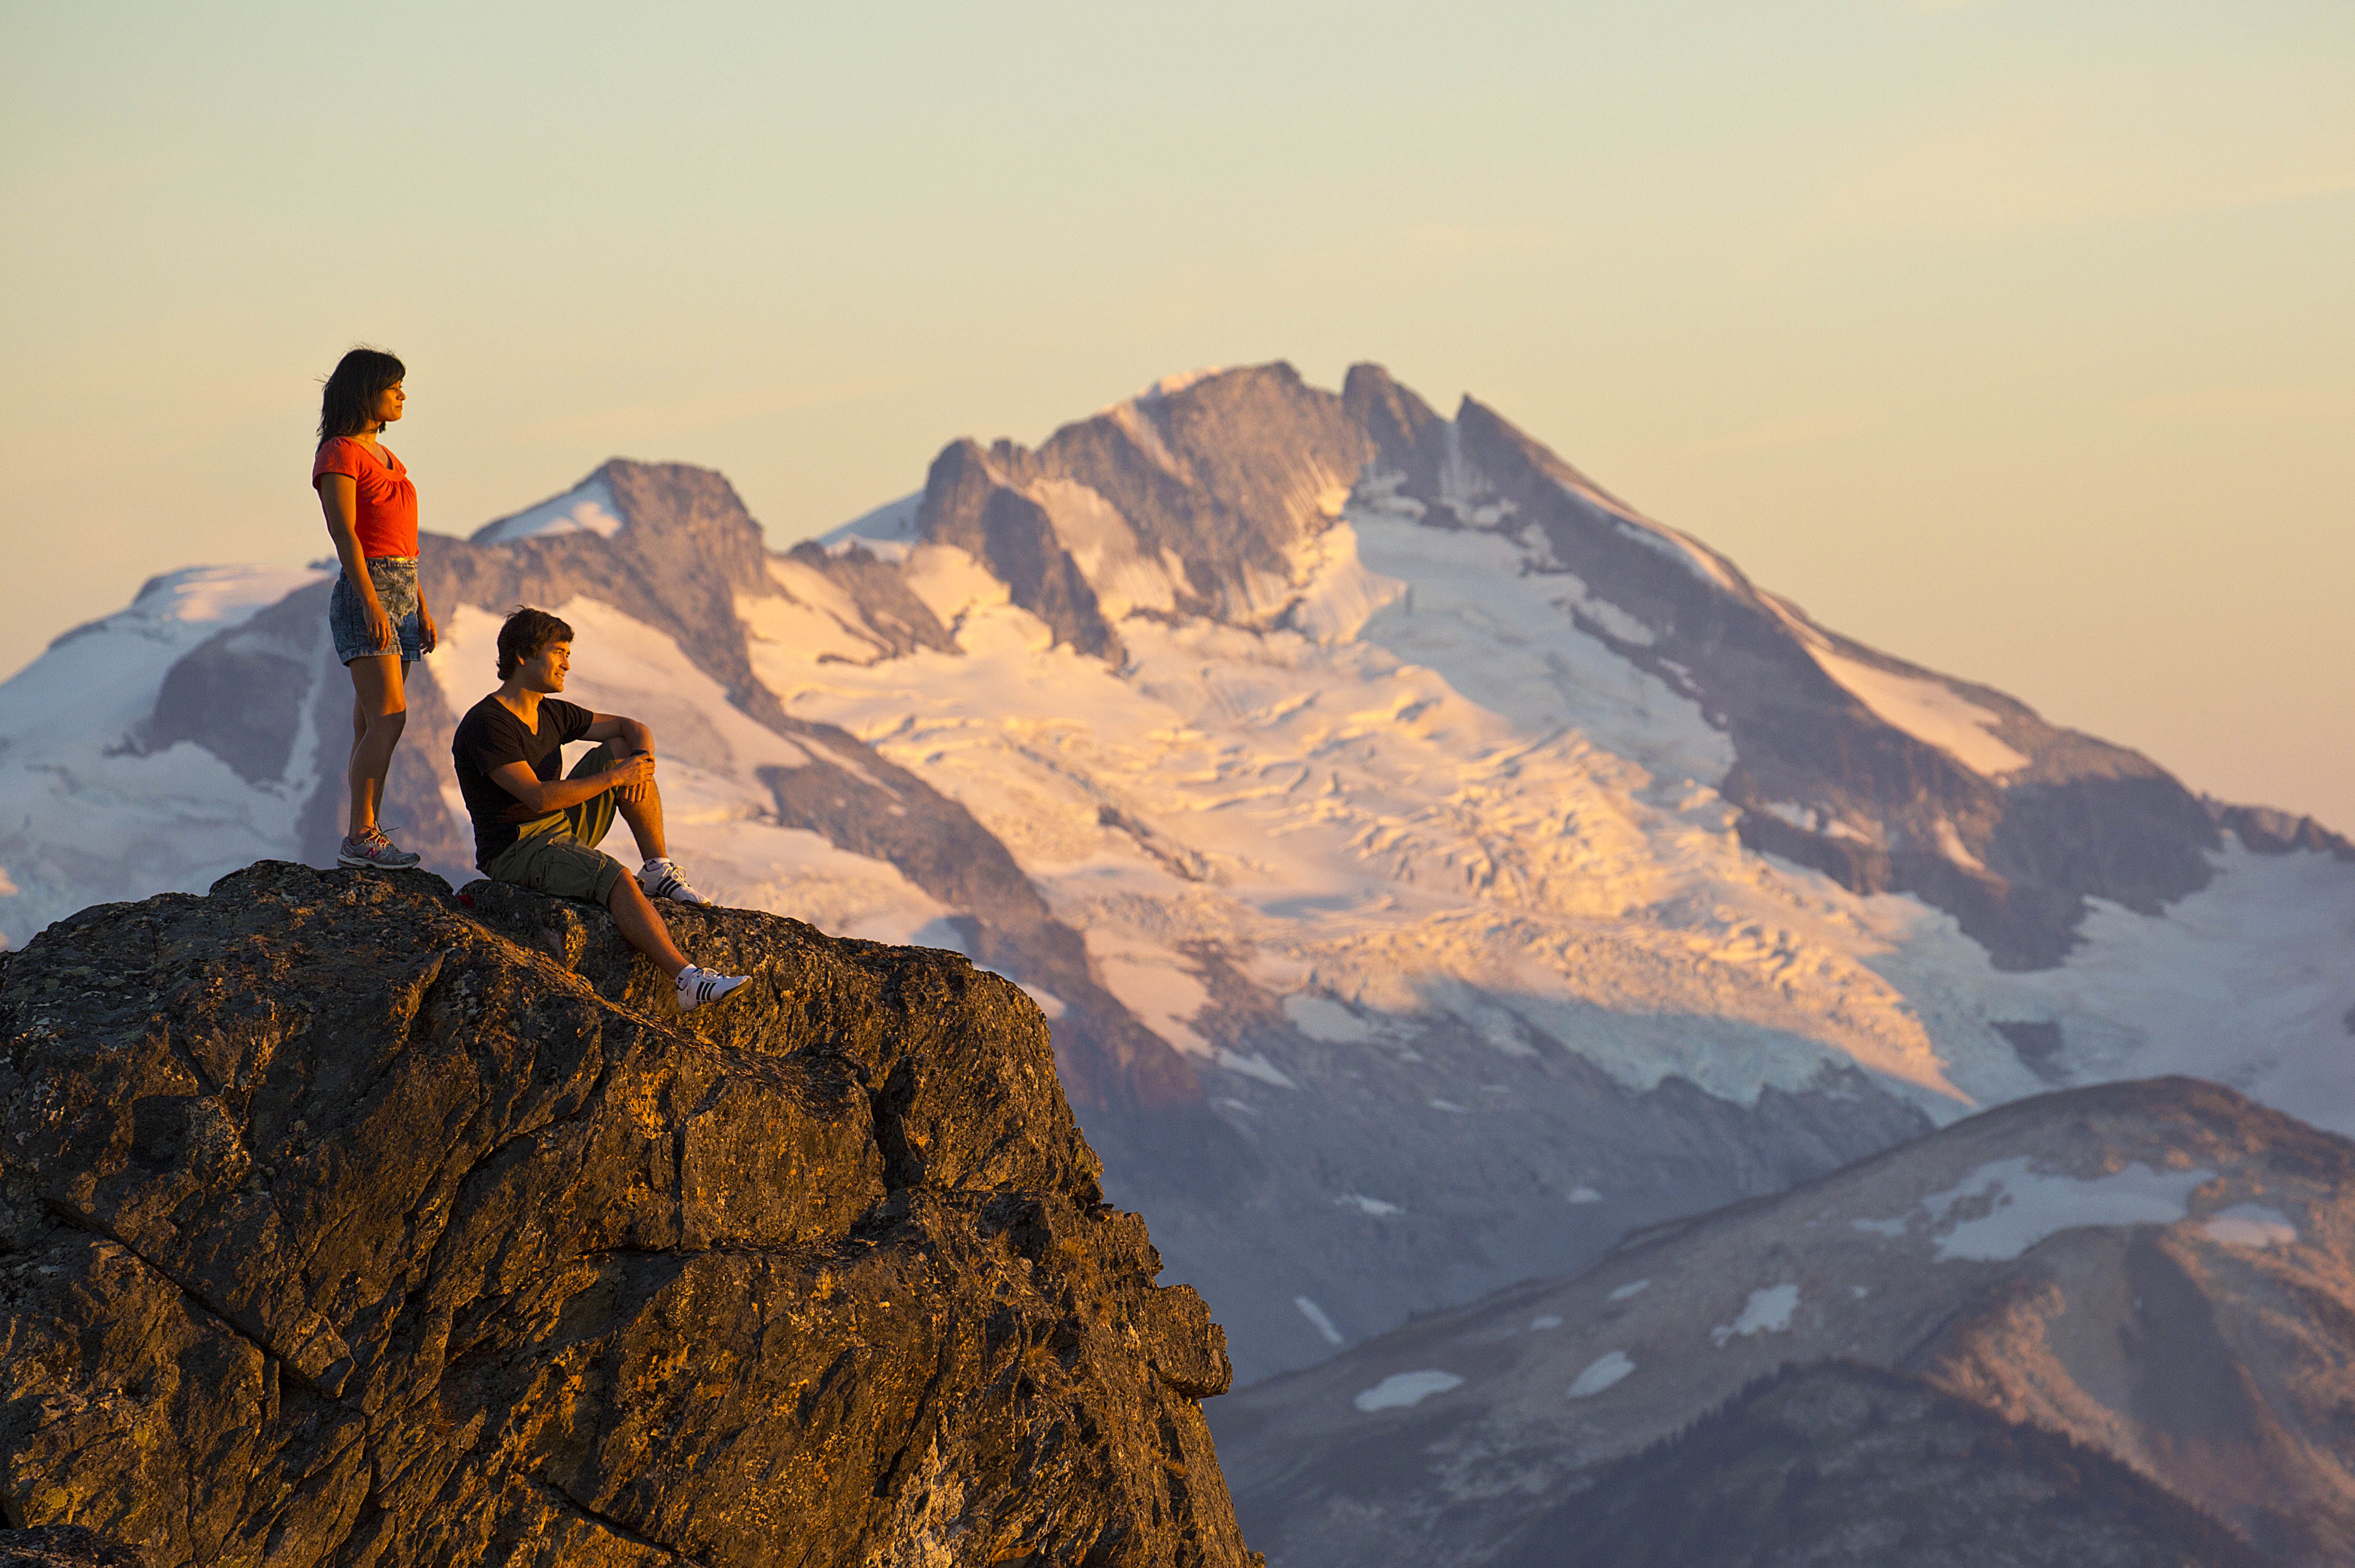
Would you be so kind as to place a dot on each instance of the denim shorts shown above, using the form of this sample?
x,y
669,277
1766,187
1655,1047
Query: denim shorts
x,y
395,577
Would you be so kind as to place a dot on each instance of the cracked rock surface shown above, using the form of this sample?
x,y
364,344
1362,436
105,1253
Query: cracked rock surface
x,y
343,1225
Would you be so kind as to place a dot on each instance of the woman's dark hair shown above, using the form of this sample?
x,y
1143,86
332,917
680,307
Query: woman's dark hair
x,y
348,406
525,633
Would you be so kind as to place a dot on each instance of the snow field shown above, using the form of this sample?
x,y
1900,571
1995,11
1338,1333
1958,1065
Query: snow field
x,y
587,507
1404,1391
87,816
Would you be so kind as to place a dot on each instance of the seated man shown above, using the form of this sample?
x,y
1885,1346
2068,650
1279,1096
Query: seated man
x,y
539,831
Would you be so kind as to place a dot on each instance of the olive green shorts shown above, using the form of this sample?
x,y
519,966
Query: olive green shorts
x,y
557,853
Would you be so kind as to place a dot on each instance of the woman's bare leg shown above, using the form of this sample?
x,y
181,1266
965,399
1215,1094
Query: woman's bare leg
x,y
379,712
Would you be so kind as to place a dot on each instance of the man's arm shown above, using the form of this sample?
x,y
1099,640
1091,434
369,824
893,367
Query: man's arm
x,y
633,735
541,798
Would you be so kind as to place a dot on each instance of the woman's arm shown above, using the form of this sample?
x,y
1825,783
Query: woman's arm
x,y
339,499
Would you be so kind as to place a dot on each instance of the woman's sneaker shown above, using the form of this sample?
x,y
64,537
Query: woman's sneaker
x,y
696,986
373,850
660,880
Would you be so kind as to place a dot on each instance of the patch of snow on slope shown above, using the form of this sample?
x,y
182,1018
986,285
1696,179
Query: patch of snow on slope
x,y
1318,1321
887,529
1156,984
1255,1066
1928,710
1321,1018
1404,1391
2007,1207
1506,641
1105,548
1693,558
1766,1311
1340,595
1606,1371
1951,845
812,616
1170,386
588,509
2250,1225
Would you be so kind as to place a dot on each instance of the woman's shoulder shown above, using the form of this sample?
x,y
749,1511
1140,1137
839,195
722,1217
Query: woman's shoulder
x,y
336,454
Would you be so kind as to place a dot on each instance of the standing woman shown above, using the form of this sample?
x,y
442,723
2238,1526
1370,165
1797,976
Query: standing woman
x,y
377,615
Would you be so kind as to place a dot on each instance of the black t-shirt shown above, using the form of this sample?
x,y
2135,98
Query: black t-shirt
x,y
490,736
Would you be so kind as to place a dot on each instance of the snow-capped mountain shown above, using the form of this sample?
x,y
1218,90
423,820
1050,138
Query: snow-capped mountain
x,y
1432,867
2159,1271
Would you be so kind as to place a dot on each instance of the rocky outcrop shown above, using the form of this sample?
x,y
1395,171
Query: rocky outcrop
x,y
342,1224
63,1546
2263,831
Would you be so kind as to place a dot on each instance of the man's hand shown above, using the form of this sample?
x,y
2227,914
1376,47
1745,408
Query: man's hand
x,y
632,774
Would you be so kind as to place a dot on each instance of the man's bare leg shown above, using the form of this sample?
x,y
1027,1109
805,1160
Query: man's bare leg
x,y
642,927
640,806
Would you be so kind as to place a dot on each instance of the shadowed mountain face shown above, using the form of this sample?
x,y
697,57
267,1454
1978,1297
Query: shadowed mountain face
x,y
1431,868
2158,1272
340,1225
1836,1466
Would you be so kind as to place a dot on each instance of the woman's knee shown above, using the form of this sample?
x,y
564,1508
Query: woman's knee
x,y
388,726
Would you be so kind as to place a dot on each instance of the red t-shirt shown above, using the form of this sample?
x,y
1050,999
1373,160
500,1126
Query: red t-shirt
x,y
385,507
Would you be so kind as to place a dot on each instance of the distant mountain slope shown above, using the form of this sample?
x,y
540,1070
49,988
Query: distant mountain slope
x,y
1432,868
1836,1466
2161,1270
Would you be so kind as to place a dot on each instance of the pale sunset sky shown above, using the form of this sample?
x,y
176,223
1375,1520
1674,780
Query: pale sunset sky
x,y
2016,340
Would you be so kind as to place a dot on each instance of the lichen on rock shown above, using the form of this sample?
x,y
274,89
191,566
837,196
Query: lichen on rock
x,y
343,1224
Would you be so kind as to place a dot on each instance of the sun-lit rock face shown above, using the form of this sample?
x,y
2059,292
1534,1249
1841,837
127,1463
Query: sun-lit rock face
x,y
2158,1272
342,1223
1430,866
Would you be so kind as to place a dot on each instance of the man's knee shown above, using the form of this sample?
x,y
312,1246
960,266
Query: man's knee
x,y
625,892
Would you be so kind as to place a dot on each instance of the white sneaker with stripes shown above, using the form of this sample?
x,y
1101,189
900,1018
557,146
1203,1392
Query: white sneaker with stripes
x,y
660,880
696,986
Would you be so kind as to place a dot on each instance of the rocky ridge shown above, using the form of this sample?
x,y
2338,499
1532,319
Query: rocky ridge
x,y
340,1225
2161,1274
